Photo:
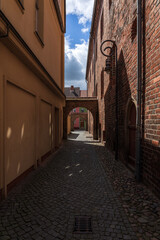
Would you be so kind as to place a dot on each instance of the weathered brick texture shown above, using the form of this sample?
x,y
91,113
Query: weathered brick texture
x,y
120,20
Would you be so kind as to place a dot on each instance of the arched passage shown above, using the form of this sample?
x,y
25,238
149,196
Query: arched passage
x,y
83,116
90,104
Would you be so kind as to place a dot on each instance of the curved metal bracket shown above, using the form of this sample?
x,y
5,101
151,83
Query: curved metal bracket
x,y
103,50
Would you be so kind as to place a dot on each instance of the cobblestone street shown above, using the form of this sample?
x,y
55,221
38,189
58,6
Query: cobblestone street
x,y
72,183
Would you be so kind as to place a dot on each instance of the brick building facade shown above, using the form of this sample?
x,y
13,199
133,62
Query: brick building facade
x,y
117,21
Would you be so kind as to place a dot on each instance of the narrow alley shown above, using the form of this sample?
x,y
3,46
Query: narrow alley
x,y
72,184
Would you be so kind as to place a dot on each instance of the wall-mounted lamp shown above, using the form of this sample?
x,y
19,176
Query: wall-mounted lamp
x,y
108,64
104,51
108,52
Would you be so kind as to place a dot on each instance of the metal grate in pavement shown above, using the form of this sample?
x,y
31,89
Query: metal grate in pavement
x,y
83,224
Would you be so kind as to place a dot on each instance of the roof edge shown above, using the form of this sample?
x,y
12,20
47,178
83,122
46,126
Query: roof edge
x,y
93,31
62,26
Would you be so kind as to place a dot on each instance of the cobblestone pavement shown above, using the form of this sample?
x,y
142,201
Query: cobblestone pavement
x,y
141,206
72,183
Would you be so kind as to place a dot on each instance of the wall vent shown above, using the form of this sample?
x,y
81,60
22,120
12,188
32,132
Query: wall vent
x,y
82,224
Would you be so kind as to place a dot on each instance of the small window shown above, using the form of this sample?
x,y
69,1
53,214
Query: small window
x,y
102,25
134,29
60,3
110,3
40,20
21,4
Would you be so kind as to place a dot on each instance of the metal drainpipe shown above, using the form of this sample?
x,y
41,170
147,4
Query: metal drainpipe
x,y
139,76
94,67
117,99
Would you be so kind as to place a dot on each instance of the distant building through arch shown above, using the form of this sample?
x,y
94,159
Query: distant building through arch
x,y
77,99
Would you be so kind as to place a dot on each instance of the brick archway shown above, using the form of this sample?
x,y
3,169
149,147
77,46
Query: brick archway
x,y
90,103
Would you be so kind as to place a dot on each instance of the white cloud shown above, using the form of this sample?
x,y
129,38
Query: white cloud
x,y
75,63
67,44
76,57
81,83
84,30
82,8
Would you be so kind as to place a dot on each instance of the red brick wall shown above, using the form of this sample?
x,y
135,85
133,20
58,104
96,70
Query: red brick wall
x,y
151,99
119,25
90,94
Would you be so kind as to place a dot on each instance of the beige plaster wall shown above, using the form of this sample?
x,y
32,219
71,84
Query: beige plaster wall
x,y
1,129
51,54
20,131
27,117
68,124
45,127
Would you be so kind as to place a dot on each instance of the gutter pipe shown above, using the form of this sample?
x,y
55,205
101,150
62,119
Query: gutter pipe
x,y
94,51
117,107
139,80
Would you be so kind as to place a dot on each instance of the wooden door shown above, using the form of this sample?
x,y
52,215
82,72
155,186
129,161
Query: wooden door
x,y
132,135
56,128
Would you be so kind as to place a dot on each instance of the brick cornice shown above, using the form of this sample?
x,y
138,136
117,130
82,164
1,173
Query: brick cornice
x,y
94,27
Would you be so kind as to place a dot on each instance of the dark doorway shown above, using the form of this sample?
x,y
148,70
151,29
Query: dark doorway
x,y
99,131
56,127
82,124
132,134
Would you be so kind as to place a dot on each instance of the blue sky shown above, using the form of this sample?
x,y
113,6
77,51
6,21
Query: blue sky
x,y
79,14
73,29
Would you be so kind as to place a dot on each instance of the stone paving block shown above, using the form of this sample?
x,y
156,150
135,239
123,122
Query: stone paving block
x,y
71,184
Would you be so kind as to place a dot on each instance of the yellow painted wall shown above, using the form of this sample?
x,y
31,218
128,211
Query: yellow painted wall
x,y
50,55
68,124
45,127
20,131
23,95
28,97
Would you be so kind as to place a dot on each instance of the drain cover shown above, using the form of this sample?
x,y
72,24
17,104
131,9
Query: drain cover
x,y
83,224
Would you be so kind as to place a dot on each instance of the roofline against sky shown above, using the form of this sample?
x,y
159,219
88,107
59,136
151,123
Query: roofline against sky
x,y
62,26
93,32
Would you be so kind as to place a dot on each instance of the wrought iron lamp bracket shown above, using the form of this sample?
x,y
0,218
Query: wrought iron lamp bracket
x,y
108,47
108,56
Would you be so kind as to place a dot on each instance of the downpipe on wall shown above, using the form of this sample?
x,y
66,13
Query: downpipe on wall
x,y
139,80
94,50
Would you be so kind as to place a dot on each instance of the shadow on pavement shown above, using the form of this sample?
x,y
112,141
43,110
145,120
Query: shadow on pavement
x,y
73,136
